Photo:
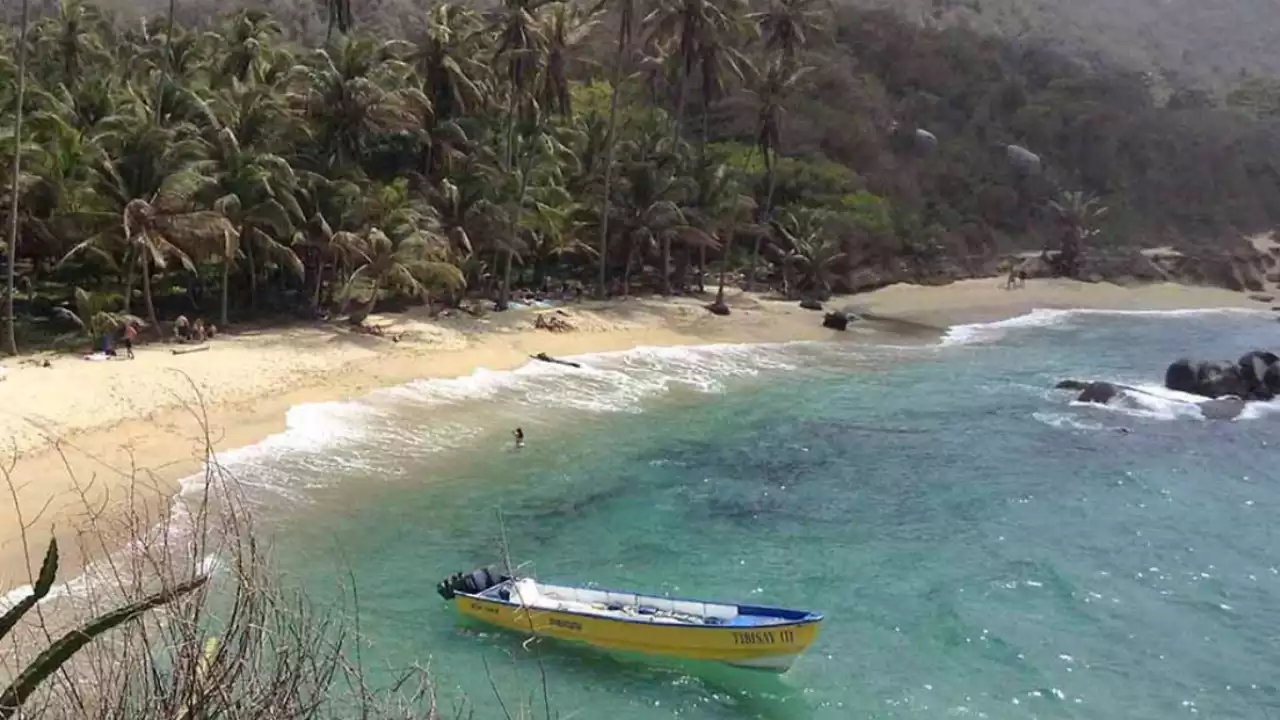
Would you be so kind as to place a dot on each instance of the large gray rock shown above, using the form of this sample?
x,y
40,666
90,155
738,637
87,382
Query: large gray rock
x,y
1098,392
1214,380
1223,408
1255,376
1181,376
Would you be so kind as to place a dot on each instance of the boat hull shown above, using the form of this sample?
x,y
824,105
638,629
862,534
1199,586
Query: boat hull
x,y
772,648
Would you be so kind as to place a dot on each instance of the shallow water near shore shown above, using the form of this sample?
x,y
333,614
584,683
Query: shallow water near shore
x,y
980,545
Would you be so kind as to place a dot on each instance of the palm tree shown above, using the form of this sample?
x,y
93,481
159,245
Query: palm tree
x,y
699,31
254,189
454,81
412,264
338,13
446,57
144,185
73,37
786,25
808,250
352,91
11,250
565,27
246,46
147,240
520,51
703,33
622,49
770,84
1078,214
652,217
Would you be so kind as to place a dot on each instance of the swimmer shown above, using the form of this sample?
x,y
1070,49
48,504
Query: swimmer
x,y
519,435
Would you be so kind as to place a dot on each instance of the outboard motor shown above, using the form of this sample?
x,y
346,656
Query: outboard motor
x,y
471,583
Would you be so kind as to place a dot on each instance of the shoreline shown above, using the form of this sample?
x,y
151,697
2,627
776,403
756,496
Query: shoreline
x,y
151,438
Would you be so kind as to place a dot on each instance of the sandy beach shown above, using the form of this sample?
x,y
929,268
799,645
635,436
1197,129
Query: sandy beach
x,y
79,434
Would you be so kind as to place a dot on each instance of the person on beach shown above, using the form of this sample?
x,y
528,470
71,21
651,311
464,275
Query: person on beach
x,y
519,434
182,329
130,334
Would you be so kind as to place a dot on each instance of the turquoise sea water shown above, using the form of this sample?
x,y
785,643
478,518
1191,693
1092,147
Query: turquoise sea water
x,y
981,546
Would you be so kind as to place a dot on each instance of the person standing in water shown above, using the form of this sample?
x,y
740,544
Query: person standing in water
x,y
519,433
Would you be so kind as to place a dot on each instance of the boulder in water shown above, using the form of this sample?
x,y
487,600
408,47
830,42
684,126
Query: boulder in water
x,y
1213,380
1253,370
1076,385
811,304
1224,408
1255,376
718,308
836,321
1098,392
1181,376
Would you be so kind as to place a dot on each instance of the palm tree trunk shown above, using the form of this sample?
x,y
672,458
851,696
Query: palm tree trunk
x,y
509,161
168,62
129,278
626,274
724,268
682,96
10,329
226,284
146,295
666,264
765,213
315,298
253,276
702,269
610,138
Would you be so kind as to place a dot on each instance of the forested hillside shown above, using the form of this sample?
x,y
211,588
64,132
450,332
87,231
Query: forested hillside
x,y
1202,42
1208,42
309,160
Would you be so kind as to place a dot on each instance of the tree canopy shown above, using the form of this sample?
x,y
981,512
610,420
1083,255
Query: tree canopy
x,y
450,152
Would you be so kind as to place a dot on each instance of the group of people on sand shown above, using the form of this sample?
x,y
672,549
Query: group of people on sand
x,y
1017,278
185,331
128,333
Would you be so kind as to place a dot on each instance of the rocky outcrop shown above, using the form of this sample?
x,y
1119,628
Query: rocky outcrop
x,y
1098,392
836,321
1255,376
1223,408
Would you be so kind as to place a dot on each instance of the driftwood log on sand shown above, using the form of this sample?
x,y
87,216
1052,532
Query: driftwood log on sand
x,y
189,350
557,361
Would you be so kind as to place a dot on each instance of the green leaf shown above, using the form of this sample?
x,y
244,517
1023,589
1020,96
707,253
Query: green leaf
x,y
65,647
44,583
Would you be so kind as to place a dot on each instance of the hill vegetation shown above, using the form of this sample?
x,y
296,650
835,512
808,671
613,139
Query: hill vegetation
x,y
168,170
1207,44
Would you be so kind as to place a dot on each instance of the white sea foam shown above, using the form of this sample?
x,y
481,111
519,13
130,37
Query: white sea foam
x,y
1067,421
324,441
1154,402
972,333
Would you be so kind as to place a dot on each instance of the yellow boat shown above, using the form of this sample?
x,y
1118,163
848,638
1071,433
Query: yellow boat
x,y
748,636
